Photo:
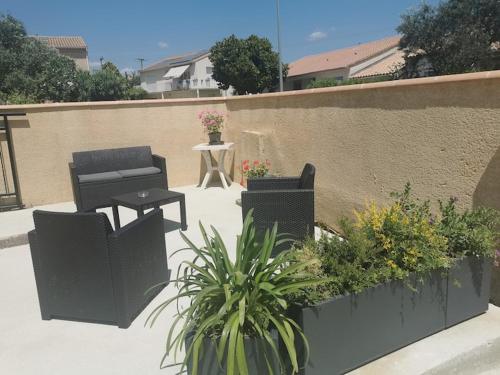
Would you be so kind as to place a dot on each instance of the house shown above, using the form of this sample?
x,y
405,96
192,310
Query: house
x,y
73,47
375,58
187,75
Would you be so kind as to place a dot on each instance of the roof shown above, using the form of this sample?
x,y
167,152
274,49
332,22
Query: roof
x,y
172,61
342,58
383,67
63,42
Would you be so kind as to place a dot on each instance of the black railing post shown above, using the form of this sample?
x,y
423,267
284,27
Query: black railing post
x,y
10,147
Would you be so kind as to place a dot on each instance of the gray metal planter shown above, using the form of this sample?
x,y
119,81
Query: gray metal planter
x,y
349,331
254,349
469,284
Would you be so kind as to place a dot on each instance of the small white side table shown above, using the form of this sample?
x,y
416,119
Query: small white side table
x,y
206,151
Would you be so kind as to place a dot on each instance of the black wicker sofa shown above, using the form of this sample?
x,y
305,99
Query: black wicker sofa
x,y
98,175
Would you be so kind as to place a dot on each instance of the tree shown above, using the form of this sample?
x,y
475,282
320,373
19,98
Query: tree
x,y
454,37
31,72
248,65
109,84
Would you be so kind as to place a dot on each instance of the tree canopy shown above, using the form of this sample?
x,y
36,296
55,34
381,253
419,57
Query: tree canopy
x,y
456,36
32,72
249,65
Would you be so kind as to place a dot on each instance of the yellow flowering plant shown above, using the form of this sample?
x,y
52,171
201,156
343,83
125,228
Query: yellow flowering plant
x,y
382,243
406,240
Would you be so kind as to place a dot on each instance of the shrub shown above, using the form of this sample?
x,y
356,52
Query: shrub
x,y
331,82
470,232
381,244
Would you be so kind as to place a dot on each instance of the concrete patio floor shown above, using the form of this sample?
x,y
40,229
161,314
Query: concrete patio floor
x,y
30,346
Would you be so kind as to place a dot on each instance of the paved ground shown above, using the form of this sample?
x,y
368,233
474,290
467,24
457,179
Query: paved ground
x,y
30,346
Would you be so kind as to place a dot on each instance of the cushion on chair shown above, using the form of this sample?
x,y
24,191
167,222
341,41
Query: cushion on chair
x,y
95,177
98,161
139,171
307,177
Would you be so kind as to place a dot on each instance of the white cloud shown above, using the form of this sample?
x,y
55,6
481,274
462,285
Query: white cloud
x,y
317,35
162,44
127,70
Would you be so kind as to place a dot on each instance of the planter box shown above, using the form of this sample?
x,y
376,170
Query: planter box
x,y
469,284
349,331
208,364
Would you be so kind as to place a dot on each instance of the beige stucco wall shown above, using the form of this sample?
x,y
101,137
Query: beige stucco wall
x,y
442,134
44,142
79,56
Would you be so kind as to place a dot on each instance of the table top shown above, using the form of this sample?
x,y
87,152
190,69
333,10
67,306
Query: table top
x,y
156,196
207,147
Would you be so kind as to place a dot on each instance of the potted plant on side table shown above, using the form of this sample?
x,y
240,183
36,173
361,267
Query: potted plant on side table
x,y
236,318
213,123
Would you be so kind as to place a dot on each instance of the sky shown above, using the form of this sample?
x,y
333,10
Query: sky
x,y
122,31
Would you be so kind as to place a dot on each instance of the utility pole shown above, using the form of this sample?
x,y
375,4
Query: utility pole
x,y
280,67
141,61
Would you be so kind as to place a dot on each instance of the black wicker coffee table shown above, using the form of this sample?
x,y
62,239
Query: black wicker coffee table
x,y
154,198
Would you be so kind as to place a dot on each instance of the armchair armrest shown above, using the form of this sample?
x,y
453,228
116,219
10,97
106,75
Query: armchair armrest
x,y
161,163
273,183
138,262
75,184
39,275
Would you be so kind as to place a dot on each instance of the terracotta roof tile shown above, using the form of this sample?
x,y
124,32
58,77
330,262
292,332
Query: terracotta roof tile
x,y
70,42
382,67
341,58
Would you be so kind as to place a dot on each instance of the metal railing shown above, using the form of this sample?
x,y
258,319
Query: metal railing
x,y
10,196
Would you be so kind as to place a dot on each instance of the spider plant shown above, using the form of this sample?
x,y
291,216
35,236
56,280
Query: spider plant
x,y
231,301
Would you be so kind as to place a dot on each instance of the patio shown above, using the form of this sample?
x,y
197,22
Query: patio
x,y
32,346
440,133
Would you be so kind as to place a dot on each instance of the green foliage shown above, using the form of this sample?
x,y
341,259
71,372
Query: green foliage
x,y
31,72
106,84
231,300
136,93
470,232
455,36
331,82
249,65
390,243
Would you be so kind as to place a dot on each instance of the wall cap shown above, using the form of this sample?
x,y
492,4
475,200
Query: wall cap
x,y
453,78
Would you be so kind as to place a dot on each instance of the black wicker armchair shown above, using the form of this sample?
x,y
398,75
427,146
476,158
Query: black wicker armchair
x,y
289,201
86,272
98,175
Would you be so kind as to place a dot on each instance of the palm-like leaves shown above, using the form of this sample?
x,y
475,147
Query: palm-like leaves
x,y
233,300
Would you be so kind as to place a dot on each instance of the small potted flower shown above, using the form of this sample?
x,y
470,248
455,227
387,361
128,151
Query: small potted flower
x,y
213,122
257,169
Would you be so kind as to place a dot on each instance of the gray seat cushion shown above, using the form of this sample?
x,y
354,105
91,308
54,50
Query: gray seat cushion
x,y
139,171
95,177
98,161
